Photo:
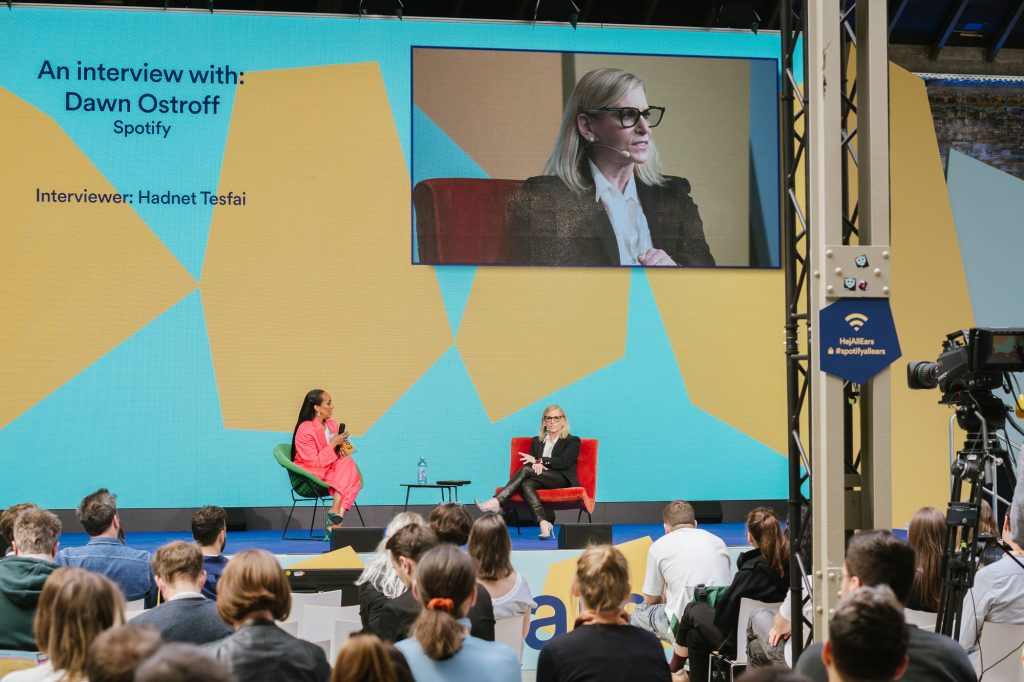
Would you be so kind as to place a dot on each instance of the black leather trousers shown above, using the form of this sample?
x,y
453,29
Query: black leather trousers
x,y
526,483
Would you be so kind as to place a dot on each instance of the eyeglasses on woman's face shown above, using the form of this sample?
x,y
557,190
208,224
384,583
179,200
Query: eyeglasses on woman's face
x,y
554,417
630,116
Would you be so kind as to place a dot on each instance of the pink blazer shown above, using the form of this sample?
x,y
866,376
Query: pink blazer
x,y
312,452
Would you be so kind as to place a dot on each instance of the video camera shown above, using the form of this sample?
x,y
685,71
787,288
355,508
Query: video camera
x,y
972,360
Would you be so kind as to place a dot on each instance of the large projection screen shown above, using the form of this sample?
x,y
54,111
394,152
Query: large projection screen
x,y
220,219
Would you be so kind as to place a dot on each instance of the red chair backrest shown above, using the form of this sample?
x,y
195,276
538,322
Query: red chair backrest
x,y
586,465
463,220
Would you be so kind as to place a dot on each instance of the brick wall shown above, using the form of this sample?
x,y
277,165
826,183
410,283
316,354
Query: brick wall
x,y
986,122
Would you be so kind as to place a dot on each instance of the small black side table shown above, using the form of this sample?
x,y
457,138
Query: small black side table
x,y
451,487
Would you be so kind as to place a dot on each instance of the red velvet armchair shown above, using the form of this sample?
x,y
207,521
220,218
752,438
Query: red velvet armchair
x,y
583,498
463,220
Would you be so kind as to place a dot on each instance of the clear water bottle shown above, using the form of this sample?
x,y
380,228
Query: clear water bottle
x,y
421,471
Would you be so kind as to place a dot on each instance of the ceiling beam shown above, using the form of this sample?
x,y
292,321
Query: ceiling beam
x,y
896,14
1004,32
947,28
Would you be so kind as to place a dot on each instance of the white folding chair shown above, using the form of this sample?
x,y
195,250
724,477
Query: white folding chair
x,y
343,629
289,626
1000,653
510,631
925,620
747,607
129,615
300,599
135,605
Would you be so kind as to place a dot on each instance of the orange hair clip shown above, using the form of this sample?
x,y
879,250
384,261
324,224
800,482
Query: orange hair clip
x,y
441,604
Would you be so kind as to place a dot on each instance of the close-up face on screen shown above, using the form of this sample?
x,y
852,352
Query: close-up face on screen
x,y
593,159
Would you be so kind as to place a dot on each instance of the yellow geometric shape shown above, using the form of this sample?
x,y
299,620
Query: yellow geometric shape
x,y
527,332
345,557
310,284
930,298
725,327
79,278
561,575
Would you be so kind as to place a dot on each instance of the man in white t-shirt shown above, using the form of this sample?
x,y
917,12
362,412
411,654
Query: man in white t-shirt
x,y
683,558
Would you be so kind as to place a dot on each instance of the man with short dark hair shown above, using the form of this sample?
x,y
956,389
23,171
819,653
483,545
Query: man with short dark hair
x,y
210,531
35,537
451,522
186,615
877,557
868,638
684,557
106,552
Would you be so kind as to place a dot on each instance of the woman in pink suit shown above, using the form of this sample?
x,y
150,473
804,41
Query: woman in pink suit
x,y
315,445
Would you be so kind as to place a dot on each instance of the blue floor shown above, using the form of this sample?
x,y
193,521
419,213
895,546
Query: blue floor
x,y
733,534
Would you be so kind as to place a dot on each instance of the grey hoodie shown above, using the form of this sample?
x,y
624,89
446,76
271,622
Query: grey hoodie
x,y
21,582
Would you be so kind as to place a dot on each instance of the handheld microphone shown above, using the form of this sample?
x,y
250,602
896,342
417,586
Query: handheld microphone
x,y
341,429
625,154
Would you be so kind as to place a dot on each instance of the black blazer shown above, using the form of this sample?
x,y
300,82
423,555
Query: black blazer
x,y
552,225
397,616
563,456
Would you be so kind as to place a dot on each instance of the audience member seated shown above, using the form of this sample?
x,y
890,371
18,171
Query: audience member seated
x,y
878,557
365,658
7,518
987,525
998,592
603,645
441,648
380,581
769,633
186,615
761,573
868,638
116,653
251,594
210,531
184,663
74,608
106,552
927,535
452,523
36,534
491,548
686,556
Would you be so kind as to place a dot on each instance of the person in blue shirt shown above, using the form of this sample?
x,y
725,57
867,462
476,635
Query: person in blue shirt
x,y
441,648
106,552
210,531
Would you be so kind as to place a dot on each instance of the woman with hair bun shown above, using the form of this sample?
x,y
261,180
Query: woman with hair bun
x,y
761,573
603,646
441,648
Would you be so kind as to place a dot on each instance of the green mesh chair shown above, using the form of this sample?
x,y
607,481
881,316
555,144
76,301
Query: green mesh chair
x,y
305,487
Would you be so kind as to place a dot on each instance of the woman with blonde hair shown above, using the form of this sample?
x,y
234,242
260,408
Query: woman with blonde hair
x,y
550,463
75,606
441,648
380,581
491,548
603,646
603,199
251,594
927,535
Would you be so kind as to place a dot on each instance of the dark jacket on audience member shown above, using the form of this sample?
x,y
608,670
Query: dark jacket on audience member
x,y
187,619
605,653
260,651
371,605
933,658
754,579
398,614
214,566
21,582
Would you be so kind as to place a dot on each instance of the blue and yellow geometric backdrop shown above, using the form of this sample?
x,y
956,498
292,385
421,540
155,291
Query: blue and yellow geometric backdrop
x,y
162,351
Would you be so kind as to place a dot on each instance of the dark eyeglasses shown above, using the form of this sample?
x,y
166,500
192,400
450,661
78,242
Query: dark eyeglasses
x,y
630,116
550,418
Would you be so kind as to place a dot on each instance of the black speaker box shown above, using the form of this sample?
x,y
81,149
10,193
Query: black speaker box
x,y
236,522
579,535
360,539
707,511
326,580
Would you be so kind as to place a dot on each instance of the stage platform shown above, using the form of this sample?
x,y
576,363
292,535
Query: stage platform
x,y
733,534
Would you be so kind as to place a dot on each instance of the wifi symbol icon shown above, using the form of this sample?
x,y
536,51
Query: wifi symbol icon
x,y
856,320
